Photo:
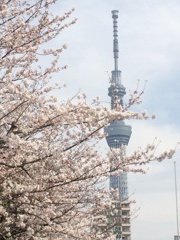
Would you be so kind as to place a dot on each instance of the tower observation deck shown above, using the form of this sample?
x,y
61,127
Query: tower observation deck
x,y
118,132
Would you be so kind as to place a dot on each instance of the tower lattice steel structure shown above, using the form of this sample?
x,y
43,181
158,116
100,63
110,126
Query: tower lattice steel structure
x,y
118,134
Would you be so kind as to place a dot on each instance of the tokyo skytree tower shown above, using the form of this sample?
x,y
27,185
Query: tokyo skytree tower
x,y
118,135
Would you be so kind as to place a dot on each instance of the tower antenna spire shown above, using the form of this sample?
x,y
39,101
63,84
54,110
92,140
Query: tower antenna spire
x,y
115,40
116,90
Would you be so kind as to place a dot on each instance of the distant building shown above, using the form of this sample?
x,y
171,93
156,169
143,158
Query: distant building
x,y
176,238
118,135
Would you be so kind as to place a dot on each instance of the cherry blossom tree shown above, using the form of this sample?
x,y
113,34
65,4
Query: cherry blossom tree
x,y
52,173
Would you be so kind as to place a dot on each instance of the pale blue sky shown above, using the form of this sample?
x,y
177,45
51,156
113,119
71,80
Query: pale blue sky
x,y
149,42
